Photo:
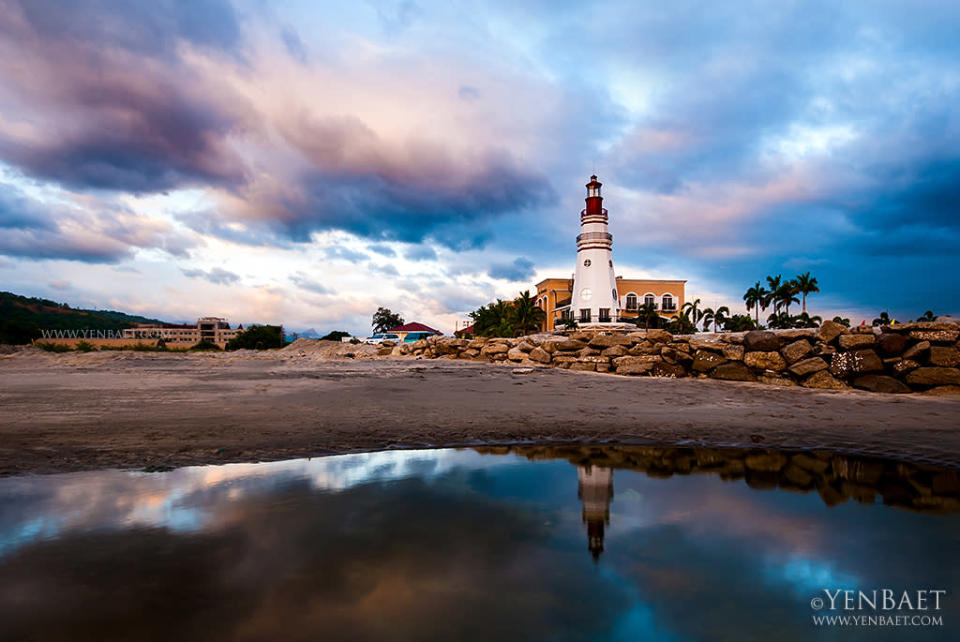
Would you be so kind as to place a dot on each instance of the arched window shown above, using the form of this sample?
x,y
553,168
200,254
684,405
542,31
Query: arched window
x,y
650,299
631,301
668,302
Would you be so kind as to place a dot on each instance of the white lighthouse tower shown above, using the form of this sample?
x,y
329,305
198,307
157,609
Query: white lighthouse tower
x,y
595,298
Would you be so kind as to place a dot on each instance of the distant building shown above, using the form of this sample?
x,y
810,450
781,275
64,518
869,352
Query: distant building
x,y
213,329
415,331
594,295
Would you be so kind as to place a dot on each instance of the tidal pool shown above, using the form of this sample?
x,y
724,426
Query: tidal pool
x,y
520,543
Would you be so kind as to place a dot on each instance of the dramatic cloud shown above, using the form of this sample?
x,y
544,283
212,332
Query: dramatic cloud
x,y
215,275
520,270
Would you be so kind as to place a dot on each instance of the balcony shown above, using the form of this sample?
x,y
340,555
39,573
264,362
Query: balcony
x,y
595,236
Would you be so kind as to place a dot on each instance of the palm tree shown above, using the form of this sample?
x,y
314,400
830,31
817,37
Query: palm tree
x,y
883,319
753,298
928,316
841,320
787,294
647,313
526,314
694,313
775,284
806,284
718,316
804,320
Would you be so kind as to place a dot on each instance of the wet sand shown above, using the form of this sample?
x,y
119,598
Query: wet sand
x,y
134,410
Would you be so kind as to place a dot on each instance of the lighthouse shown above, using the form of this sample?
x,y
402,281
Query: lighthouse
x,y
595,490
594,298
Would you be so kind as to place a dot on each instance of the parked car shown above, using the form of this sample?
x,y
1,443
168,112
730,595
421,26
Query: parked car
x,y
416,336
379,338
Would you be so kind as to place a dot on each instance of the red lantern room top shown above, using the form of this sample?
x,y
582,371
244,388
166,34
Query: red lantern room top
x,y
594,200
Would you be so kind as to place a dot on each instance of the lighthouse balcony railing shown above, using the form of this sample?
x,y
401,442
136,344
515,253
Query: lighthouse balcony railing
x,y
595,236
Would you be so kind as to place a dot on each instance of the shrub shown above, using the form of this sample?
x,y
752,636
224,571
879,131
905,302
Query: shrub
x,y
84,346
258,337
53,347
203,345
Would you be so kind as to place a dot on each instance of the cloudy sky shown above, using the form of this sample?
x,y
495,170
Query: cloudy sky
x,y
308,163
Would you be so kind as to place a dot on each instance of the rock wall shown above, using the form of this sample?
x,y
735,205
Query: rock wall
x,y
903,358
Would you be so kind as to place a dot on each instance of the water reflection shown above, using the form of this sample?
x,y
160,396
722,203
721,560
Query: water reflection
x,y
476,544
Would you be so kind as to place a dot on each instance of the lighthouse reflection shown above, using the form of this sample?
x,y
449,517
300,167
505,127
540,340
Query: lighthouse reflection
x,y
595,490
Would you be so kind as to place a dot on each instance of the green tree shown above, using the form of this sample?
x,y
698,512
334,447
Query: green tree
x,y
787,294
384,319
568,323
753,298
774,284
694,313
647,316
928,316
739,323
682,324
336,335
804,320
715,317
257,337
806,284
527,316
883,319
205,345
841,320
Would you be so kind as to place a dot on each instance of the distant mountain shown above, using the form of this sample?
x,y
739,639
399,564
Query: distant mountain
x,y
309,334
23,318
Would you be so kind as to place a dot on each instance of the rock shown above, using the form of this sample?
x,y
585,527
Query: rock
x,y
943,390
760,341
733,351
704,360
939,324
540,355
948,357
476,344
935,336
934,376
594,358
643,347
917,352
603,367
632,360
767,461
634,368
579,365
776,380
797,350
516,354
823,380
880,383
659,336
549,346
830,330
844,364
765,360
851,341
892,343
614,351
798,477
588,351
903,366
668,370
580,336
470,353
807,462
670,355
700,344
608,340
808,366
384,351
564,361
525,346
521,371
733,371
570,344
795,334
492,349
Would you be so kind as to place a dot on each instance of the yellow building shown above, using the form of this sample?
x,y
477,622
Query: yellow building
x,y
666,295
212,329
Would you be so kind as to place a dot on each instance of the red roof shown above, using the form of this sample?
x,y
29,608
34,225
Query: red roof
x,y
414,327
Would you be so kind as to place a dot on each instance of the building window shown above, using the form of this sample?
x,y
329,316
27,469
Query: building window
x,y
585,315
668,302
586,263
604,315
649,299
631,301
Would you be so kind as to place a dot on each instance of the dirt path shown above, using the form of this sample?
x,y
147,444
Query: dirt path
x,y
73,412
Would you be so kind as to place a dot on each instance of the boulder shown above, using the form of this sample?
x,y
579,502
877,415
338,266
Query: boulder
x,y
880,383
823,380
733,351
659,336
767,461
608,340
633,360
939,324
917,352
852,341
588,351
760,341
903,366
642,347
808,366
526,346
492,348
943,390
807,462
571,344
844,364
682,346
585,366
705,360
516,354
384,351
663,369
934,376
614,351
476,344
935,336
948,357
603,367
540,355
892,343
776,380
830,330
549,346
700,344
670,355
797,350
594,358
733,371
634,368
788,336
562,360
765,360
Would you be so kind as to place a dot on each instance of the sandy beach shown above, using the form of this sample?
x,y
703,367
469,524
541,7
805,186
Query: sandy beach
x,y
134,410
